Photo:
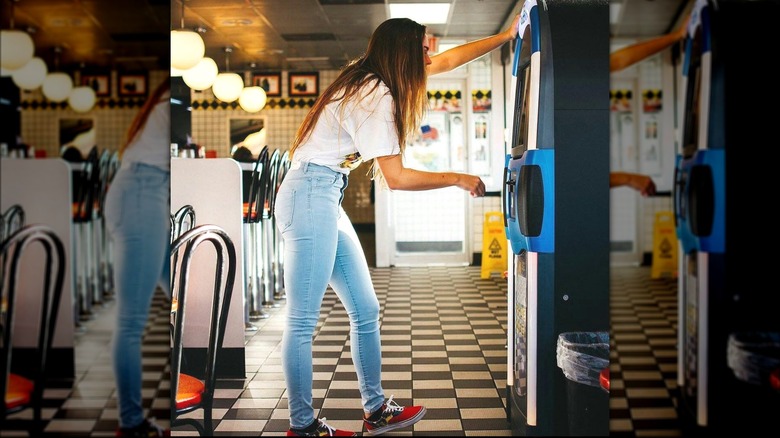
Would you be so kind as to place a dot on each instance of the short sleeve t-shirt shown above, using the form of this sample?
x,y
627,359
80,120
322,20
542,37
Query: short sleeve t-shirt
x,y
361,128
152,143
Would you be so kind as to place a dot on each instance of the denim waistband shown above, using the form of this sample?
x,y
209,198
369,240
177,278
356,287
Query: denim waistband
x,y
310,168
137,166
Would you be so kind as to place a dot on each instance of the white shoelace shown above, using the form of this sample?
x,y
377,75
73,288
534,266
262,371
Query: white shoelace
x,y
392,405
327,426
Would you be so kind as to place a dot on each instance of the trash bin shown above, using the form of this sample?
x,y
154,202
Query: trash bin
x,y
582,356
753,356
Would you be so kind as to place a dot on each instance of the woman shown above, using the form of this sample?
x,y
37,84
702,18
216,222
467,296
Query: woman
x,y
138,221
367,113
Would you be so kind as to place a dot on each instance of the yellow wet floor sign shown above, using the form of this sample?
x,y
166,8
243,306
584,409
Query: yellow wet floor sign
x,y
664,246
494,244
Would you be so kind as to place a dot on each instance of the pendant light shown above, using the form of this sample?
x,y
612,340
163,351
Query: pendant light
x,y
201,76
82,99
227,86
16,46
57,85
187,46
31,75
252,99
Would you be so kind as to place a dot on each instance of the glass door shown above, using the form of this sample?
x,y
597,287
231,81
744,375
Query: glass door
x,y
624,156
429,227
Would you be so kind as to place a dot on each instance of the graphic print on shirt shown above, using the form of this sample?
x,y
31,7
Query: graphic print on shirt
x,y
351,161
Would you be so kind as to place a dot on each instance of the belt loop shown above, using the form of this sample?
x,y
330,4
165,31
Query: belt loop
x,y
304,166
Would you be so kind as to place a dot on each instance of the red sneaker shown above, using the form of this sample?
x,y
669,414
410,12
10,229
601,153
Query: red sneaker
x,y
323,429
394,417
147,429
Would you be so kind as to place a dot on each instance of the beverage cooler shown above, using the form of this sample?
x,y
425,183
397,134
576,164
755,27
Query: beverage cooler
x,y
729,335
555,201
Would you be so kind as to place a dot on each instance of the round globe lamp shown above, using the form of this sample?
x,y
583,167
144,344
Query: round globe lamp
x,y
202,76
31,75
57,86
187,49
228,86
16,49
82,99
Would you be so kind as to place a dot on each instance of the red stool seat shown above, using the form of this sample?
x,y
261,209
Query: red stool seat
x,y
253,216
19,391
190,392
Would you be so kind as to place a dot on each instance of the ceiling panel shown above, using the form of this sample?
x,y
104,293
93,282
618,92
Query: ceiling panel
x,y
134,34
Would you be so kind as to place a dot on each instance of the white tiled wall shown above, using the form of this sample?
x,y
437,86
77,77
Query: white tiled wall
x,y
40,127
210,126
210,129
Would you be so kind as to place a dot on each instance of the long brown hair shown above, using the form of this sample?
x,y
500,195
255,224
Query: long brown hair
x,y
143,114
395,57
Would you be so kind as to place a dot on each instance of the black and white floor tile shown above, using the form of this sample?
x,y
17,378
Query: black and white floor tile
x,y
443,346
86,406
443,339
643,362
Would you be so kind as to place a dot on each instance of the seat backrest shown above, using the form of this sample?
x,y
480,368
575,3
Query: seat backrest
x,y
256,195
11,220
270,184
11,251
85,186
182,221
102,179
113,166
182,251
281,172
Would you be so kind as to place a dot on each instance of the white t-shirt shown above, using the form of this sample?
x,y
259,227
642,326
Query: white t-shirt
x,y
152,143
363,125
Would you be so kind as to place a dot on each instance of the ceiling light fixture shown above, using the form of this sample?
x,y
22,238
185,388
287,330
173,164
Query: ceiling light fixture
x,y
201,76
423,13
82,99
187,46
57,86
227,86
252,99
31,75
16,47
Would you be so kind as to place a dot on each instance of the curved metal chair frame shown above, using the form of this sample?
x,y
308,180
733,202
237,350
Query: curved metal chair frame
x,y
12,249
224,280
181,222
11,220
252,222
267,229
278,243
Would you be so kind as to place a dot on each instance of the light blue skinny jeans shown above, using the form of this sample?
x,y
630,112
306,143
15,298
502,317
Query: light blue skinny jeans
x,y
321,248
138,222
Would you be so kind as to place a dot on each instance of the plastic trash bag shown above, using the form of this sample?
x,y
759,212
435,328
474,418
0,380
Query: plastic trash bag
x,y
752,356
582,356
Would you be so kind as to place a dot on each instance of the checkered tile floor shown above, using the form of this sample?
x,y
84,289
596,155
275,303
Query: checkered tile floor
x,y
443,346
643,369
443,336
87,406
